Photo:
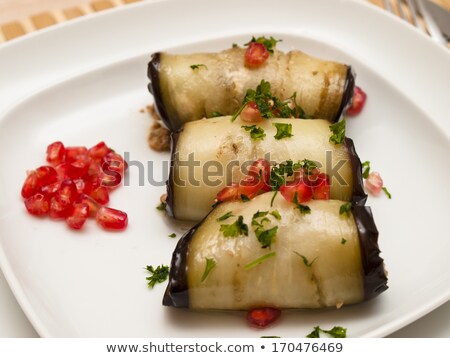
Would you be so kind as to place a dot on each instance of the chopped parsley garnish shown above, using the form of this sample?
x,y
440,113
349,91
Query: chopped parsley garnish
x,y
173,235
305,260
304,209
365,169
338,130
265,237
343,241
273,198
259,260
210,264
387,192
244,198
235,229
225,216
159,275
335,332
161,206
345,209
284,130
256,133
234,45
280,172
216,114
269,43
197,66
270,106
276,214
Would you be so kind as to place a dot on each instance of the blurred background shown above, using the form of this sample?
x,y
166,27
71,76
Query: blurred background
x,y
18,17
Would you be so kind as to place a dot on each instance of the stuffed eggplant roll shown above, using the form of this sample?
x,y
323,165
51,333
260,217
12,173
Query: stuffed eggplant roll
x,y
261,254
209,154
189,87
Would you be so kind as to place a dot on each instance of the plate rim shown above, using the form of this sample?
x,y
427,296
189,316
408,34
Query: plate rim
x,y
5,265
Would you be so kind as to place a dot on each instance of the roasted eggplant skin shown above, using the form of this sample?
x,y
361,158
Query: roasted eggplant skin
x,y
343,272
324,89
219,140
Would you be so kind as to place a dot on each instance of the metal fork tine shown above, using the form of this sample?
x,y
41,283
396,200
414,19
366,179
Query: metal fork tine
x,y
401,11
433,29
388,6
413,11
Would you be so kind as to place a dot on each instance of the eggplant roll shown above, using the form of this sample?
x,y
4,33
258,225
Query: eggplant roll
x,y
209,154
316,260
221,80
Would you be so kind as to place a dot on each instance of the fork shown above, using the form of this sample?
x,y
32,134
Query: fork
x,y
417,11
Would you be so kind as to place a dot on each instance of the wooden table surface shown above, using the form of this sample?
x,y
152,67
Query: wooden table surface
x,y
18,17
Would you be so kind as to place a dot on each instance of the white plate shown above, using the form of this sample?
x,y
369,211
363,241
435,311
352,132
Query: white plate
x,y
93,283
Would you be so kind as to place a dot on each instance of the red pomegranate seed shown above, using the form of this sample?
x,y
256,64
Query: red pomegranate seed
x,y
100,194
93,206
358,102
79,215
251,113
50,190
80,184
67,191
72,153
261,317
56,153
98,151
374,183
37,204
46,175
61,170
59,208
78,167
256,54
30,186
113,219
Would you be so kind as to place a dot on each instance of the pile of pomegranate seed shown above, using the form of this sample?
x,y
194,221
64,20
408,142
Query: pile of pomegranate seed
x,y
76,185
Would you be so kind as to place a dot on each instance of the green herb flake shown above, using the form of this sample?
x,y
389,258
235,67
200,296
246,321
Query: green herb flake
x,y
387,192
335,332
173,235
305,260
197,66
273,198
270,106
284,130
304,209
365,167
345,209
225,216
259,260
244,198
276,214
210,264
338,130
256,133
343,241
161,206
234,45
216,114
269,43
159,275
235,229
266,237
